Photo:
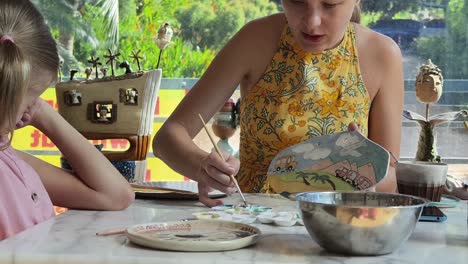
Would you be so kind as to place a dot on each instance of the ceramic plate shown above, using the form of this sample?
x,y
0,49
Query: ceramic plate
x,y
196,235
170,190
341,161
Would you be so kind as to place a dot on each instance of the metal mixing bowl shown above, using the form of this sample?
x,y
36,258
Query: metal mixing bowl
x,y
360,223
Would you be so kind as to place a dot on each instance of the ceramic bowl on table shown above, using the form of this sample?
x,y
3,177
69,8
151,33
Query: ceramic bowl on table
x,y
360,223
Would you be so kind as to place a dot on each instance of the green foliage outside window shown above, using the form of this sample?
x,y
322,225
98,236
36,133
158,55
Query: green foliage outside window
x,y
202,27
450,52
81,29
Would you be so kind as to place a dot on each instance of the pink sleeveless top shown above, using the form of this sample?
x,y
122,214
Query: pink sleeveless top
x,y
24,202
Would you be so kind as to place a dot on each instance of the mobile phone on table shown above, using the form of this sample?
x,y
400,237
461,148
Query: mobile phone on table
x,y
432,214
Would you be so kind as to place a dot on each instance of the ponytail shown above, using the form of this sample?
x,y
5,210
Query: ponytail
x,y
356,17
14,72
25,40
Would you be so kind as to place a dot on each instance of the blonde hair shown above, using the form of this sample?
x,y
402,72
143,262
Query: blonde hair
x,y
356,17
26,42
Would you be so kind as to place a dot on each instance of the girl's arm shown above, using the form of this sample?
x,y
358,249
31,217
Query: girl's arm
x,y
96,183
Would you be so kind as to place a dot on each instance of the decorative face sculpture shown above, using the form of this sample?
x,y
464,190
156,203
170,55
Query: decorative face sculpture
x,y
429,83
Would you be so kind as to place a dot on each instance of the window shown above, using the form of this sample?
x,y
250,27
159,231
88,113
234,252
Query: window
x,y
424,29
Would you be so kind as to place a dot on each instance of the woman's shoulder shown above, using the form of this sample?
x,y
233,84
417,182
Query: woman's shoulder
x,y
255,44
374,44
273,21
266,29
378,55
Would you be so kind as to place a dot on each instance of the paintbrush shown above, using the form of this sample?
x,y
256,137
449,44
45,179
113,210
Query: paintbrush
x,y
109,232
221,155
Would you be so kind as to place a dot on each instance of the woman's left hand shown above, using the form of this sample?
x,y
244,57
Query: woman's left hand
x,y
353,127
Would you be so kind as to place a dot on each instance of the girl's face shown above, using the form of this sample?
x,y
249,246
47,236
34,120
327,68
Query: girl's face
x,y
40,81
318,25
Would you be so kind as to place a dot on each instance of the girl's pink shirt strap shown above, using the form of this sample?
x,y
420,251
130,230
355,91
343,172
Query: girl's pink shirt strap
x,y
24,202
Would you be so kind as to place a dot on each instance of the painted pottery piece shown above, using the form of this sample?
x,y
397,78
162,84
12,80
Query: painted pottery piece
x,y
341,161
196,235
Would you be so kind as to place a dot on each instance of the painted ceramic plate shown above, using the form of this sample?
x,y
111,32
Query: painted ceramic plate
x,y
196,235
341,161
170,190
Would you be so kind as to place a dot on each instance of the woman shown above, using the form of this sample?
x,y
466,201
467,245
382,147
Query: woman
x,y
309,71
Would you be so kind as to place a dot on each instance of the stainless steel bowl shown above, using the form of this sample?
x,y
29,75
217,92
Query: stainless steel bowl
x,y
360,223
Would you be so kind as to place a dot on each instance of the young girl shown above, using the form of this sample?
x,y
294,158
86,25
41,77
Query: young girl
x,y
29,186
309,71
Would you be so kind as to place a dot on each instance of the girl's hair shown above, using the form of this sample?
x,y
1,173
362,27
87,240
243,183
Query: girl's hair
x,y
25,43
356,17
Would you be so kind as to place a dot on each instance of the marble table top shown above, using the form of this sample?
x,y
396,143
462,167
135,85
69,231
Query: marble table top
x,y
70,238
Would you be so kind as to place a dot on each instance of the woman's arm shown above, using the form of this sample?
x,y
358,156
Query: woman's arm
x,y
96,183
385,120
236,63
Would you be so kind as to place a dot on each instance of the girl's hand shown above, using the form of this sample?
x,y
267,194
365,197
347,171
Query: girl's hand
x,y
216,174
31,113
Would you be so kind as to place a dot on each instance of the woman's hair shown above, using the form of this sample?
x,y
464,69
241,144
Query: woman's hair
x,y
356,17
25,43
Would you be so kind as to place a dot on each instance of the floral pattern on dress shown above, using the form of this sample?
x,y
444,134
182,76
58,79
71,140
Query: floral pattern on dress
x,y
300,95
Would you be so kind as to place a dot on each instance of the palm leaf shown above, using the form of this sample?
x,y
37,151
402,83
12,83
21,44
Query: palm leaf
x,y
110,11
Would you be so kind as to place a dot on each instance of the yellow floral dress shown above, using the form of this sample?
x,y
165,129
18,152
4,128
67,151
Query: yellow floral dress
x,y
300,95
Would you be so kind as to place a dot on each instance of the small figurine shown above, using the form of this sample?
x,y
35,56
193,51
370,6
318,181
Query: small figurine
x,y
164,39
429,84
88,71
132,96
103,110
73,97
136,57
95,62
128,96
125,65
104,71
111,58
72,73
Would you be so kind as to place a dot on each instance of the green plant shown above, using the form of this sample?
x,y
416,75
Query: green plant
x,y
210,23
449,52
182,60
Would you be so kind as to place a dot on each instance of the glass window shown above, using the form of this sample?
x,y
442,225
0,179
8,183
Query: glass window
x,y
435,30
424,29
